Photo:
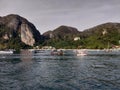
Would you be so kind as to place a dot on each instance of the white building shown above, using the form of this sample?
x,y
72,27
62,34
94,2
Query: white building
x,y
76,38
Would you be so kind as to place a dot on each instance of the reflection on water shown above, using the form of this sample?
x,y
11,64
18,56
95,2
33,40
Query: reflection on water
x,y
41,71
26,58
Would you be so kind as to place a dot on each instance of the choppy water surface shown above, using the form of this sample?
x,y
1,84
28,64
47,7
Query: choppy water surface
x,y
41,71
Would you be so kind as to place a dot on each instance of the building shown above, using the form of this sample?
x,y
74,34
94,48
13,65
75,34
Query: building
x,y
76,38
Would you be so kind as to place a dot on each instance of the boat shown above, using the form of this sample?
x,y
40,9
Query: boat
x,y
56,52
6,52
81,53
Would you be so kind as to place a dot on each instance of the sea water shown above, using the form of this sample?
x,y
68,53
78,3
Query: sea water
x,y
42,71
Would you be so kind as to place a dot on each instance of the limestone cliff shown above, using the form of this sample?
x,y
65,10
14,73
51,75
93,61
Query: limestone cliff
x,y
15,26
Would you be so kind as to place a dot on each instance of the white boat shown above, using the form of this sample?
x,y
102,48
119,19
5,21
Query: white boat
x,y
6,52
81,53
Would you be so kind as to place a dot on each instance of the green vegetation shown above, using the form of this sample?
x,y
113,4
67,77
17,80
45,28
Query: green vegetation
x,y
94,41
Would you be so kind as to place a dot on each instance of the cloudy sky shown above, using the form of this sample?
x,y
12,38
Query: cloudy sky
x,y
49,14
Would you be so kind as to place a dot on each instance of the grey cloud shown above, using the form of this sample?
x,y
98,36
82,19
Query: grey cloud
x,y
49,14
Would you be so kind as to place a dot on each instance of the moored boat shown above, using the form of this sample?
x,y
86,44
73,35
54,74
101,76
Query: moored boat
x,y
6,52
56,52
81,53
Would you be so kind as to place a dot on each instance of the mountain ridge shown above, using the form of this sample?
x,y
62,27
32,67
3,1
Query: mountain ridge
x,y
61,31
16,31
95,37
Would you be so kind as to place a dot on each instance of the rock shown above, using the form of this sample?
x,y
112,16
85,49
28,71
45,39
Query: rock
x,y
26,35
17,26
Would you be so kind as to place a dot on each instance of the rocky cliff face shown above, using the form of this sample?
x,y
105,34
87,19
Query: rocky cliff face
x,y
26,35
13,26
